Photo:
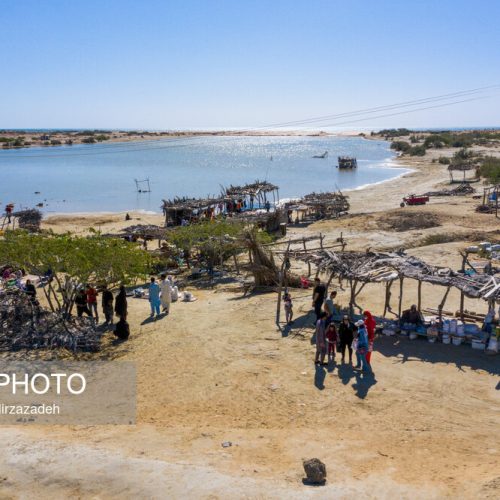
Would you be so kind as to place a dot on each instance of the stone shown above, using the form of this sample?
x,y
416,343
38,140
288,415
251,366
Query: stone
x,y
315,471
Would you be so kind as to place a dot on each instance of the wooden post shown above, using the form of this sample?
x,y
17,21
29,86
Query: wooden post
x,y
278,305
462,299
387,305
353,297
419,303
441,306
400,306
236,264
321,241
308,263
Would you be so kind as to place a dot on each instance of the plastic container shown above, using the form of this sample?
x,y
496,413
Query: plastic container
x,y
446,339
453,326
413,335
460,329
471,329
431,340
456,340
477,344
493,344
446,326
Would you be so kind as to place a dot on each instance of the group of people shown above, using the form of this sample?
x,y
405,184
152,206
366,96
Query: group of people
x,y
161,294
348,337
86,303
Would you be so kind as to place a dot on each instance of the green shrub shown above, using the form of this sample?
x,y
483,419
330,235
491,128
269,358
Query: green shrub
x,y
444,160
402,146
490,169
417,151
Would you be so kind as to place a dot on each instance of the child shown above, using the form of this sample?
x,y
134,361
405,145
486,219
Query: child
x,y
288,308
331,339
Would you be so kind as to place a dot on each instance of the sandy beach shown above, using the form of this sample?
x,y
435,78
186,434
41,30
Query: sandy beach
x,y
218,370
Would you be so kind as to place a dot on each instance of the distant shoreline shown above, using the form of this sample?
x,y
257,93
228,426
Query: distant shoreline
x,y
24,139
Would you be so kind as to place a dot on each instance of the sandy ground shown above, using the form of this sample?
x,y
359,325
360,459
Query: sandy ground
x,y
426,425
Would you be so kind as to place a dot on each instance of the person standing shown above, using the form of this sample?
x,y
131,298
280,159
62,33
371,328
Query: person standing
x,y
165,293
91,293
331,339
362,347
370,328
154,297
81,304
107,305
30,290
330,306
320,339
318,297
121,303
346,334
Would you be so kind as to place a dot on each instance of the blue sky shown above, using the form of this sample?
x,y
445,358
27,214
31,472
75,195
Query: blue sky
x,y
195,64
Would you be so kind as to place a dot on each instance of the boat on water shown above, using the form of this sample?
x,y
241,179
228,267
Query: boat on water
x,y
324,155
347,162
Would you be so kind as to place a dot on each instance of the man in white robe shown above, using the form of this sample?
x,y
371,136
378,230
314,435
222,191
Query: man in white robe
x,y
165,293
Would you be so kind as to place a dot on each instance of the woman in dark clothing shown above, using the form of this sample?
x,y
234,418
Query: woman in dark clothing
x,y
121,303
81,304
346,330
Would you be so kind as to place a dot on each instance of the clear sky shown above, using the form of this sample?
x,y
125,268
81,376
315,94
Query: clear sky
x,y
238,63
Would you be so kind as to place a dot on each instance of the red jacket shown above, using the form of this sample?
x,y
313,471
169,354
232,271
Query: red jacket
x,y
370,325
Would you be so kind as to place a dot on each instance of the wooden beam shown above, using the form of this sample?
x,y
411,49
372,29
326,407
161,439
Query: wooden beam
x,y
400,306
419,298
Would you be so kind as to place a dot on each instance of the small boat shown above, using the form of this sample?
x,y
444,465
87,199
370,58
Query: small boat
x,y
347,162
324,155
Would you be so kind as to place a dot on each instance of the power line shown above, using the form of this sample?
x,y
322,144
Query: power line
x,y
134,146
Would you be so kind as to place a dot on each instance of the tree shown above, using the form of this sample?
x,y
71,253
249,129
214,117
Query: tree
x,y
73,261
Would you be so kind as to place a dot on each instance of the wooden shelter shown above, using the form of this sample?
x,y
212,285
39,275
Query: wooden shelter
x,y
360,268
180,210
464,168
491,202
321,205
253,195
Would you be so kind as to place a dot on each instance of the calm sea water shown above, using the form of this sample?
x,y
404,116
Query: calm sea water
x,y
100,177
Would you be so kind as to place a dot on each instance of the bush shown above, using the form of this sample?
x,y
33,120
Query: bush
x,y
88,140
417,151
444,160
490,169
102,137
402,146
55,142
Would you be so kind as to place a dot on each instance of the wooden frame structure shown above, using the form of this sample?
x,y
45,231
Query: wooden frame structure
x,y
491,200
361,268
462,167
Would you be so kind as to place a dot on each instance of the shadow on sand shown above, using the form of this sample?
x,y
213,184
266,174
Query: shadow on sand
x,y
462,356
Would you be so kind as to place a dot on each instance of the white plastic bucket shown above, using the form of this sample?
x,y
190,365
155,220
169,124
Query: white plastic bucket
x,y
413,335
431,339
446,326
477,344
457,340
453,326
446,339
493,344
460,329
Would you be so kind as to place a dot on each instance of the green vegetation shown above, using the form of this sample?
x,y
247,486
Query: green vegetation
x,y
395,132
490,169
74,260
102,137
444,160
88,140
402,146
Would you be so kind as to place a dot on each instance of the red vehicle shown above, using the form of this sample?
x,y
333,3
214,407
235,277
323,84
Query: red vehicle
x,y
413,199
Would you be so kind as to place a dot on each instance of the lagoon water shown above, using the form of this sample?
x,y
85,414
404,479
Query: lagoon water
x,y
100,177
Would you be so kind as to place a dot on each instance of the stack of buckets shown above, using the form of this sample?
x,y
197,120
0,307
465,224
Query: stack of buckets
x,y
453,331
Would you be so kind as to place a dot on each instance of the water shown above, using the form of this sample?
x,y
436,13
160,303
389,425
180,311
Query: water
x,y
100,177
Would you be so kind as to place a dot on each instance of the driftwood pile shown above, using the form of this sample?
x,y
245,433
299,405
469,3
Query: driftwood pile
x,y
145,231
25,325
462,190
326,204
372,267
29,219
